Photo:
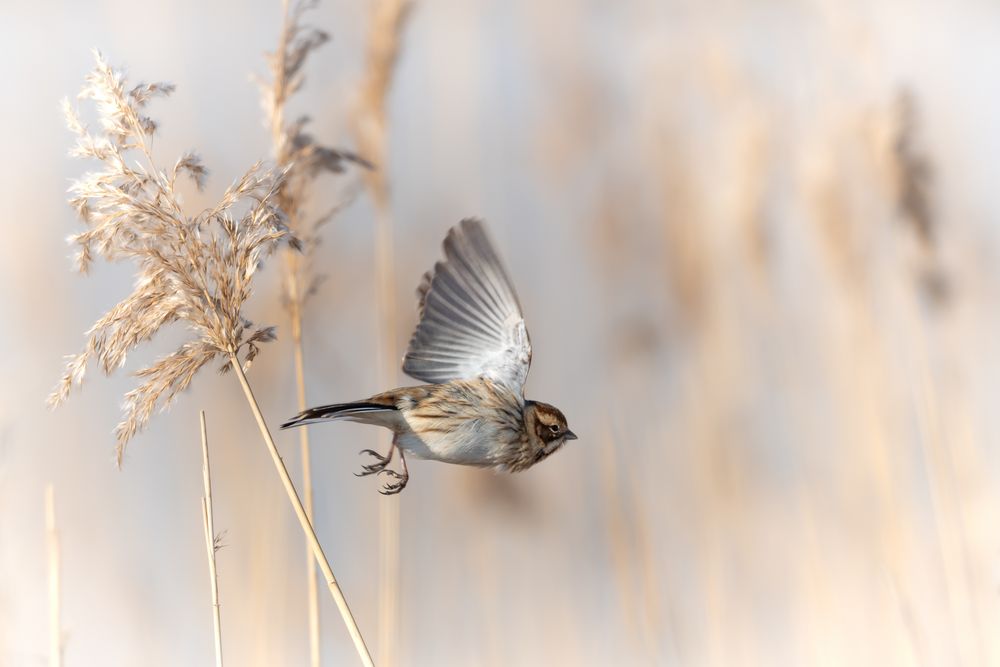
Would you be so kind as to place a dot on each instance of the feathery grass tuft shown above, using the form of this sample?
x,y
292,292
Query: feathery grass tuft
x,y
297,151
197,269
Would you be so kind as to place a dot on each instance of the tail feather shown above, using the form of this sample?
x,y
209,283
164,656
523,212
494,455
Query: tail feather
x,y
356,411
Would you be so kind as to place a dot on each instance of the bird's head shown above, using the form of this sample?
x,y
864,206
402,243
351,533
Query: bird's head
x,y
547,430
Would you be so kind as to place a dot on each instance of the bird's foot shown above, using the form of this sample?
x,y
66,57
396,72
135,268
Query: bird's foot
x,y
389,489
380,462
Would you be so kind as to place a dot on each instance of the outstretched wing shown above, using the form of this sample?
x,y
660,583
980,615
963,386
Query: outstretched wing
x,y
470,320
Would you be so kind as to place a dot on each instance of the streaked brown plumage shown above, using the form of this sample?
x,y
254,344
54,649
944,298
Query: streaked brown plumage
x,y
472,346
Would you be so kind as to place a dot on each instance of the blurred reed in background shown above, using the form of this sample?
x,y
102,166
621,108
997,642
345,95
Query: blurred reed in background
x,y
756,246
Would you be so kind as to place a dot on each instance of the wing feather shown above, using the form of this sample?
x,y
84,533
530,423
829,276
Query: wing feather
x,y
470,319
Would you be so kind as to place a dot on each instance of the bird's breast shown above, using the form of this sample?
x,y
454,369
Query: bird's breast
x,y
466,424
469,442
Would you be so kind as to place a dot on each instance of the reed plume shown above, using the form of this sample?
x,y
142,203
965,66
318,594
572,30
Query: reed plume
x,y
301,156
193,269
196,269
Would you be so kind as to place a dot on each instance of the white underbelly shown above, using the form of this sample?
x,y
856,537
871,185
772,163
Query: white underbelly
x,y
470,442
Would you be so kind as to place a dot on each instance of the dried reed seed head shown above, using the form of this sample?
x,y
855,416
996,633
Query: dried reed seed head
x,y
190,163
194,269
297,151
915,173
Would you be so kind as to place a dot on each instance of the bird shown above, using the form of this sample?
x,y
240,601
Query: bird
x,y
472,349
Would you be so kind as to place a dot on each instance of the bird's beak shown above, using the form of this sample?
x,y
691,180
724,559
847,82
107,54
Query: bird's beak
x,y
570,435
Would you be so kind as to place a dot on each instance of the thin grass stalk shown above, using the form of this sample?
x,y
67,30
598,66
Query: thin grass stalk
x,y
914,178
208,517
194,269
617,537
389,559
303,158
300,513
306,457
387,21
52,538
945,505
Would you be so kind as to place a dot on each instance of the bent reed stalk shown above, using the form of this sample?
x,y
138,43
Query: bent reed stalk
x,y
303,159
300,513
197,270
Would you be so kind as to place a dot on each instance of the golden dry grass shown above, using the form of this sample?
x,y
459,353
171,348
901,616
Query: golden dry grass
x,y
195,269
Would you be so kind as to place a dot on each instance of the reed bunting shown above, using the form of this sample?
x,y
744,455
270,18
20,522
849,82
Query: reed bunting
x,y
471,345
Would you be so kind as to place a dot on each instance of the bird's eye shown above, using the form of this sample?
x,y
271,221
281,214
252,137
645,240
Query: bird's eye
x,y
554,428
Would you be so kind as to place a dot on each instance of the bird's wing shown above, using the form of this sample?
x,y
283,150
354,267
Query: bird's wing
x,y
470,320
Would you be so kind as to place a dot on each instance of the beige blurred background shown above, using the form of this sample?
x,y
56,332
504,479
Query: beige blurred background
x,y
757,246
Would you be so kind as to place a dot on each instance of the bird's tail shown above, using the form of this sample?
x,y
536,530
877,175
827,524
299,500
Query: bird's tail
x,y
366,412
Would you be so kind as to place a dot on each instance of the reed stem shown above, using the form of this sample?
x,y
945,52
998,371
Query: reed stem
x,y
389,556
387,20
283,152
55,631
300,513
209,521
295,300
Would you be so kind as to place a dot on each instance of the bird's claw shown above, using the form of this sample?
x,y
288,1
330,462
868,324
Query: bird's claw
x,y
392,489
379,466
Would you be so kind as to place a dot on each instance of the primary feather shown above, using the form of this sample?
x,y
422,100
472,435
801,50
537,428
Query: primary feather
x,y
470,319
366,412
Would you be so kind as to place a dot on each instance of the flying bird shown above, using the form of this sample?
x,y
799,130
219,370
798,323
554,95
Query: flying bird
x,y
472,348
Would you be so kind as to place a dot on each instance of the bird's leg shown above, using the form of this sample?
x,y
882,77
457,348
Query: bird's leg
x,y
380,461
395,487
